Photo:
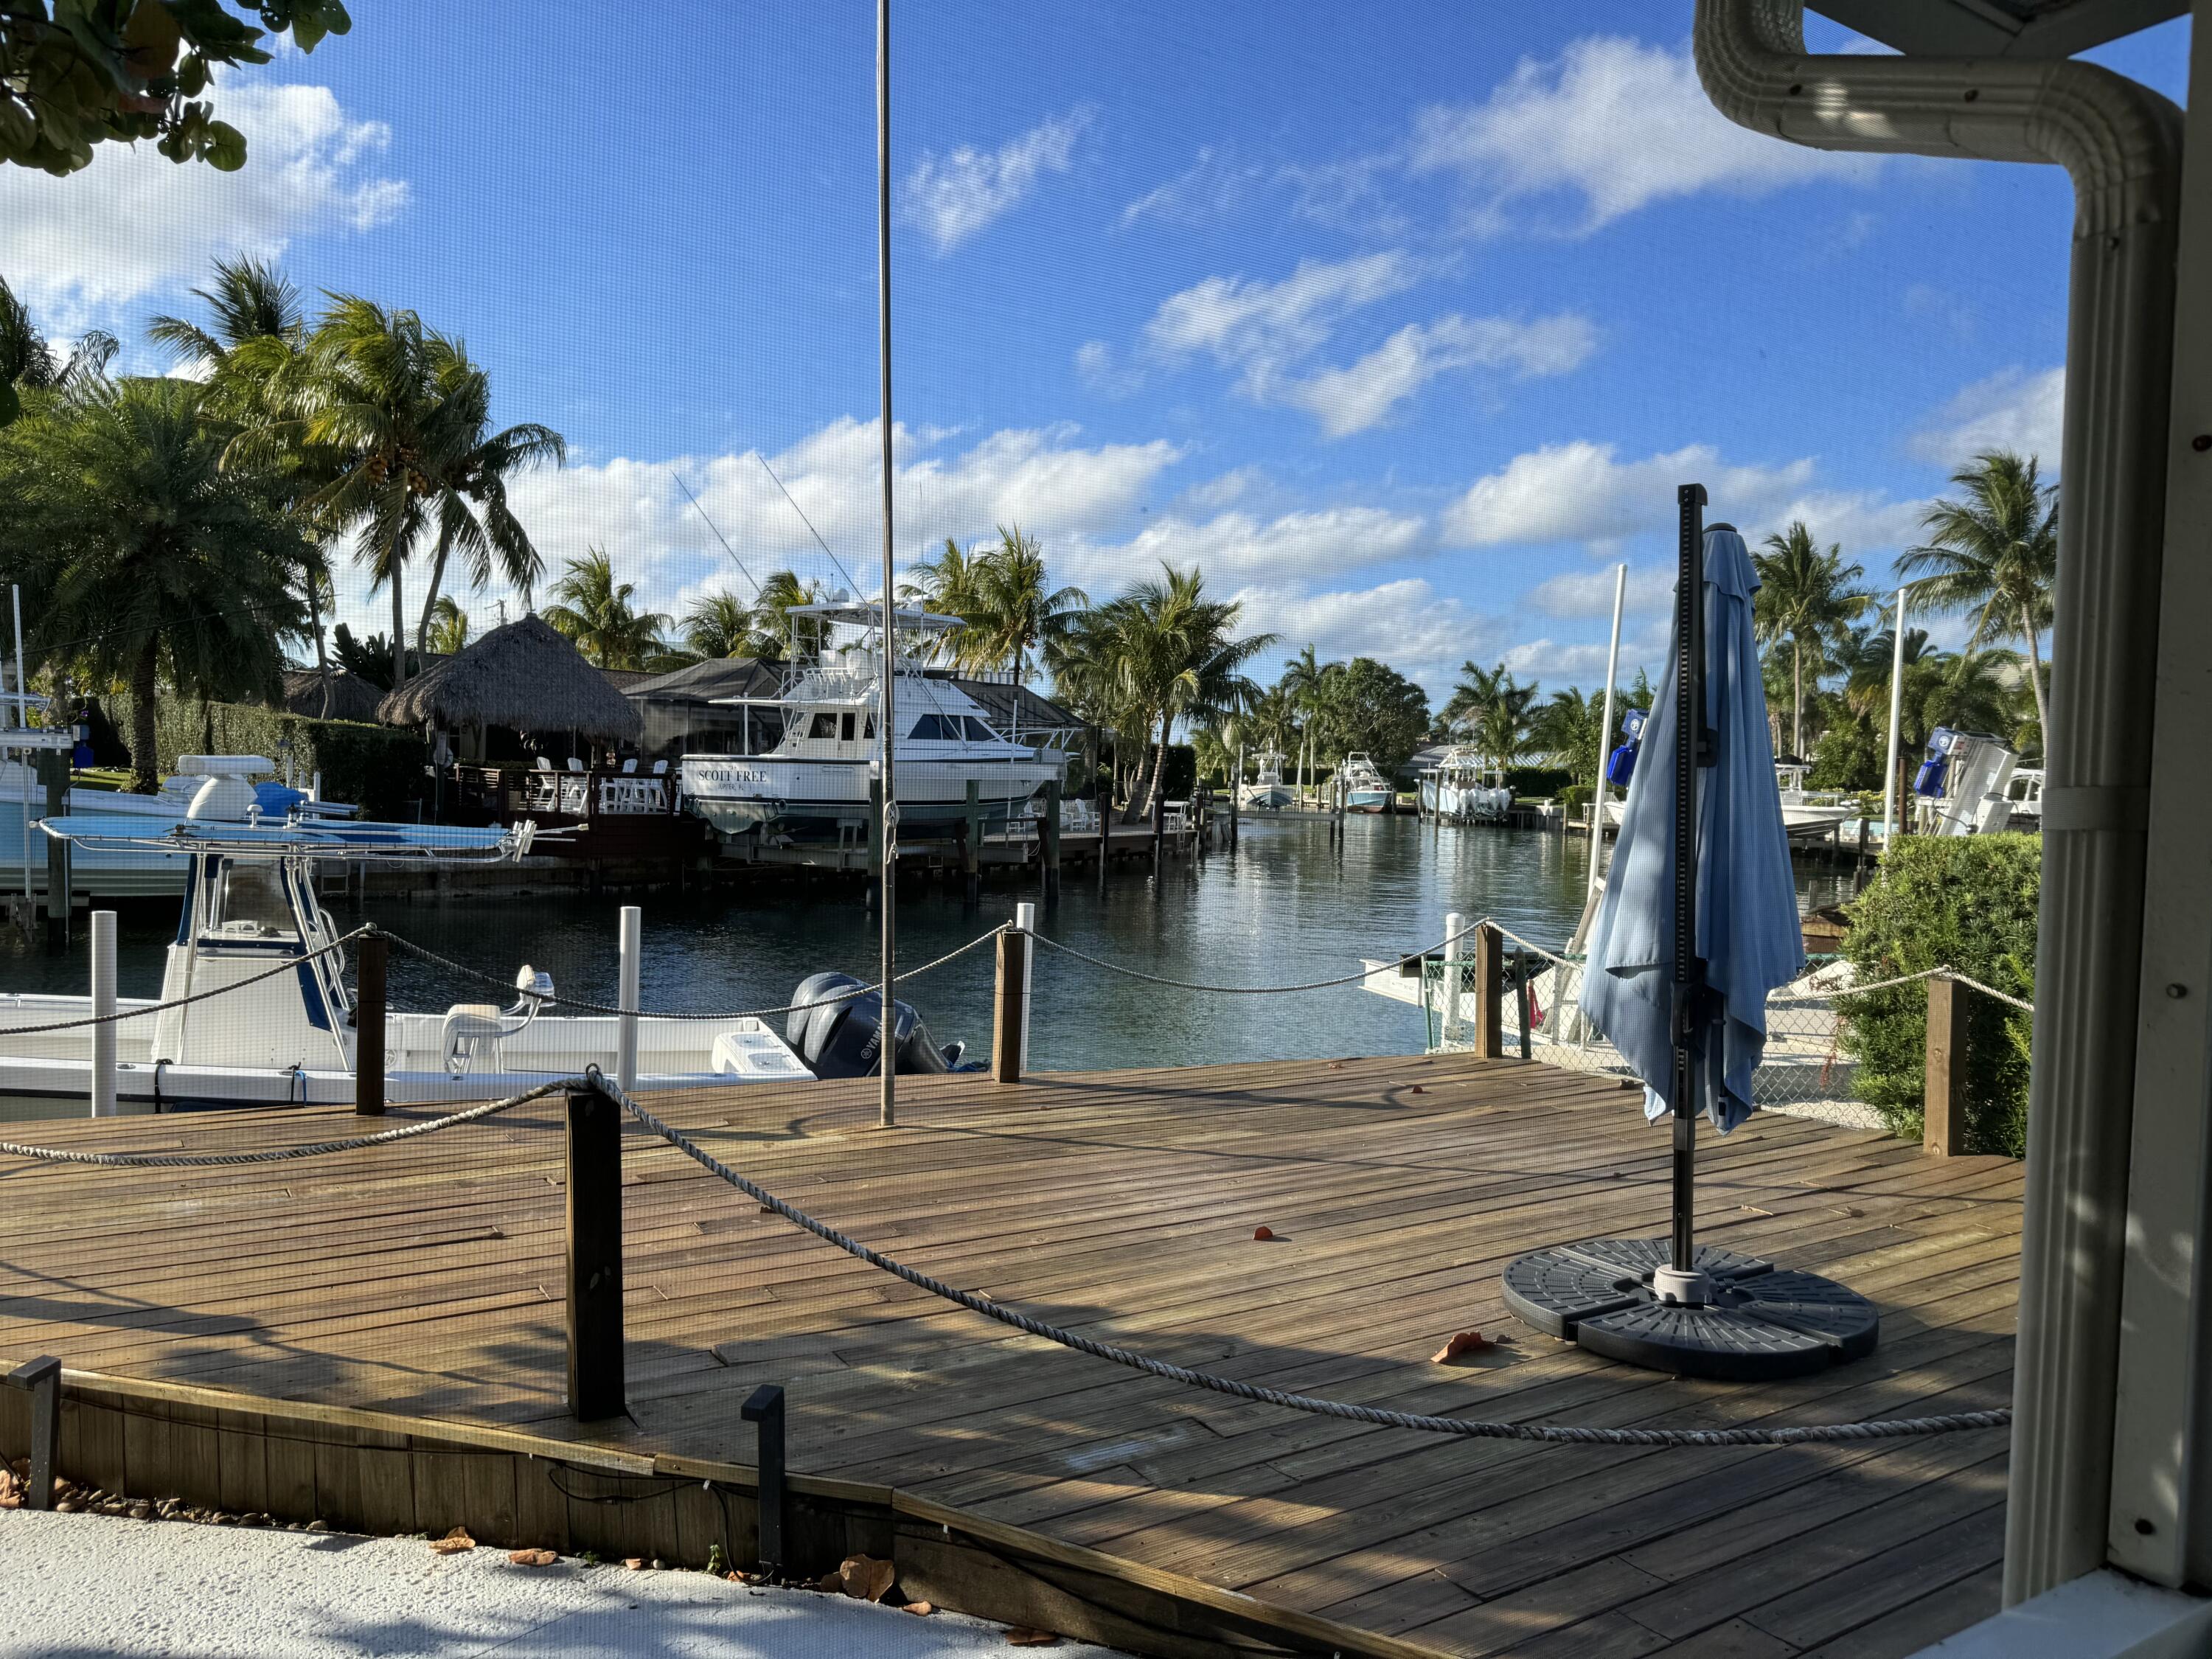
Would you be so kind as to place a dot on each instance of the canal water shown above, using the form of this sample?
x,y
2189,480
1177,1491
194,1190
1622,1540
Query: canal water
x,y
1285,907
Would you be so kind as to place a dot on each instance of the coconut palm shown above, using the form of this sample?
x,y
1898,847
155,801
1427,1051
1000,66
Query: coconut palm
x,y
28,361
449,627
1806,598
1494,709
1305,680
1995,554
1571,726
1017,610
949,585
719,625
392,421
163,563
600,614
775,631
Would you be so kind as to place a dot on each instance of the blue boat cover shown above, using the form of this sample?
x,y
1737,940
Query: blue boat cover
x,y
1746,895
322,838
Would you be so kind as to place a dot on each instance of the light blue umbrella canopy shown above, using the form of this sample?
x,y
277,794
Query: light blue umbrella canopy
x,y
1747,897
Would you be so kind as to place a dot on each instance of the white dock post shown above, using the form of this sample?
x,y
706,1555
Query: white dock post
x,y
626,998
1452,947
1025,919
103,1004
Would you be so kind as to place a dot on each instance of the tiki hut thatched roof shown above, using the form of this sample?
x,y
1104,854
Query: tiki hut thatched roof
x,y
352,698
524,675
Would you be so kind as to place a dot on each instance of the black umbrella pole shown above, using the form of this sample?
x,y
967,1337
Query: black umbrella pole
x,y
1689,729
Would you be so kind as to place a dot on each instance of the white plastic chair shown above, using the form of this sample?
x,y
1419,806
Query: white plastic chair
x,y
575,765
629,767
660,768
543,765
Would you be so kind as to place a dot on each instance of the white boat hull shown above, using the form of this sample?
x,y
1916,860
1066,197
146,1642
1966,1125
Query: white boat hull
x,y
738,793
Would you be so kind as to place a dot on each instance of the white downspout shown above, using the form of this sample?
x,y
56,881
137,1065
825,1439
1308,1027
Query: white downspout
x,y
2121,144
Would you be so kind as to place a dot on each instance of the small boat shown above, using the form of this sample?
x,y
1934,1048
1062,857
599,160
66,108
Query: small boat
x,y
1365,788
1807,814
817,750
1461,789
249,906
1268,794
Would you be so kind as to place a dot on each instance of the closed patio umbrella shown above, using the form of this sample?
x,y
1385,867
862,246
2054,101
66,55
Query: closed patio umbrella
x,y
1699,923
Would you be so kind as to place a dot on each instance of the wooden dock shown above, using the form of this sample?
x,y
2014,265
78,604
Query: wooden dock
x,y
377,1337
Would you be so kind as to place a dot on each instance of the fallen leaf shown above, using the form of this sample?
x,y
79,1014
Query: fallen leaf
x,y
864,1578
1262,1235
533,1558
1417,1090
634,1562
834,1583
921,1609
1848,1210
1022,1636
453,1542
1754,1209
1462,1342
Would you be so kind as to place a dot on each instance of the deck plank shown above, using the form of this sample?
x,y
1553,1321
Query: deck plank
x,y
422,1278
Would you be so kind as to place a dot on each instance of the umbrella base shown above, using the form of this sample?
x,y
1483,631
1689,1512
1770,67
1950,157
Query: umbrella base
x,y
1758,1323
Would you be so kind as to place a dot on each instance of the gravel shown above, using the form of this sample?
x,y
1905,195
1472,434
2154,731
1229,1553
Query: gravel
x,y
81,1586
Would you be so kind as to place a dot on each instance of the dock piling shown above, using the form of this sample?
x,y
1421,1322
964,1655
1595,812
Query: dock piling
x,y
1489,993
54,773
1048,842
1455,954
1010,1001
103,1010
594,1250
41,1378
630,930
971,843
1943,1098
1521,996
368,1010
765,1409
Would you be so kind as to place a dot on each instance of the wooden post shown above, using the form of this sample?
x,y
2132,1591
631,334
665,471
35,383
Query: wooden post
x,y
54,773
1489,993
1050,842
1159,823
1010,1007
1455,954
1944,1128
368,1008
103,1008
1521,995
595,1270
971,843
41,1379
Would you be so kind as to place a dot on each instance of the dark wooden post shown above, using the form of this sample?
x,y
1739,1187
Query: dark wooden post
x,y
1944,1128
1489,993
1009,1012
765,1408
1050,840
54,773
1521,997
595,1272
1159,822
971,843
41,1379
369,1006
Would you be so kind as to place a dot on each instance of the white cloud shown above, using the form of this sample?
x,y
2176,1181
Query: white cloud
x,y
1260,327
2011,410
134,223
1268,331
1363,394
1421,633
1241,547
951,197
1209,187
1606,127
1579,491
1577,594
1583,663
1232,486
1098,368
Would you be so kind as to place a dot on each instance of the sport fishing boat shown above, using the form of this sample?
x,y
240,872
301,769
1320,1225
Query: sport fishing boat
x,y
1267,792
811,752
1365,788
249,907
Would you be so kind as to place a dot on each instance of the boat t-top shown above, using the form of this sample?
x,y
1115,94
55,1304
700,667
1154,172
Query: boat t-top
x,y
1365,788
250,906
1462,788
1267,792
809,754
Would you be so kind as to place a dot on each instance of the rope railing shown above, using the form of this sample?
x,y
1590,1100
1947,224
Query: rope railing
x,y
1349,1410
145,1011
1127,972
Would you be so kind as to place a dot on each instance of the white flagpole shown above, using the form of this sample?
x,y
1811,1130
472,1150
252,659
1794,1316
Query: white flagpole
x,y
1896,703
1604,737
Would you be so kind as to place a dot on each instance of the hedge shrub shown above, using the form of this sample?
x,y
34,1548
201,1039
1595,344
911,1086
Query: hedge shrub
x,y
1537,782
378,768
1575,799
1966,902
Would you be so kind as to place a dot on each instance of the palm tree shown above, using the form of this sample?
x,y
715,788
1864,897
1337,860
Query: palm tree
x,y
599,614
1494,709
1017,610
1572,725
1303,680
774,633
392,421
449,627
1171,649
1805,597
1996,554
717,625
163,562
29,361
949,585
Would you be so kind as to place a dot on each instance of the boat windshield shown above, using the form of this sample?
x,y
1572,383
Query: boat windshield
x,y
249,902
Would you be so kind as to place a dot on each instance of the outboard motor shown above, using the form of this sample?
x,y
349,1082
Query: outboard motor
x,y
844,1038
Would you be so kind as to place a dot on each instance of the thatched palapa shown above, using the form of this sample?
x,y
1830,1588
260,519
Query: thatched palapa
x,y
352,698
525,675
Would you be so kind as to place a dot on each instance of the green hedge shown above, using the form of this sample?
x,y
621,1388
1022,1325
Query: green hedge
x,y
1575,799
378,768
1966,902
1536,782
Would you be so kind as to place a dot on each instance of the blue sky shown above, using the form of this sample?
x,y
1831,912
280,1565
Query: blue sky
x,y
1402,321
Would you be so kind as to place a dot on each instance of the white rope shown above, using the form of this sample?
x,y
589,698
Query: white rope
x,y
1249,990
279,1154
1951,973
1570,1434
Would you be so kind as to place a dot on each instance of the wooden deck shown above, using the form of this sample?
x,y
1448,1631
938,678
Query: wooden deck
x,y
422,1279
